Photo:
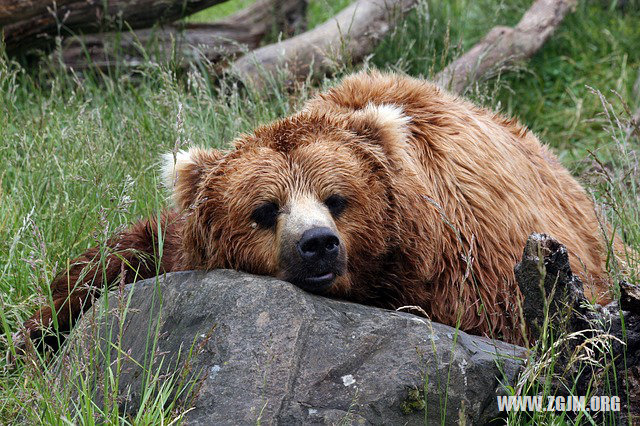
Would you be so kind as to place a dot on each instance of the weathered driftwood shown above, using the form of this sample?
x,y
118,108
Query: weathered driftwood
x,y
505,46
35,22
186,43
349,36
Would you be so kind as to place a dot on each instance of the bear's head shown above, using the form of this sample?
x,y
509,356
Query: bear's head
x,y
307,199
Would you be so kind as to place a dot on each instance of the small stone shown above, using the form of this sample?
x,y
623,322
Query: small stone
x,y
348,380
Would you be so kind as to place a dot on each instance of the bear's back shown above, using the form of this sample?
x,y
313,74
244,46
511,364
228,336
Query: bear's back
x,y
488,175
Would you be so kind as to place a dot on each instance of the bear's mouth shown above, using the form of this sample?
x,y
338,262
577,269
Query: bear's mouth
x,y
315,283
320,282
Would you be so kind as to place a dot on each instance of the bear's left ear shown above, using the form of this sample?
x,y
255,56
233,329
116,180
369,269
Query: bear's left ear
x,y
386,124
183,171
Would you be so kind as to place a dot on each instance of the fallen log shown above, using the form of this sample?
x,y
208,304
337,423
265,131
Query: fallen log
x,y
185,43
347,37
505,46
28,23
354,33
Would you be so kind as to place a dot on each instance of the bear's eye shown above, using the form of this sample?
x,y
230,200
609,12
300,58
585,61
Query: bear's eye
x,y
266,215
336,204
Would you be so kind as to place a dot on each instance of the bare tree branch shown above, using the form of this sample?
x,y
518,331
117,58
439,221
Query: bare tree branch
x,y
347,37
505,46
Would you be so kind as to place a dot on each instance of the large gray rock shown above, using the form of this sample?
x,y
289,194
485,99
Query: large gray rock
x,y
266,350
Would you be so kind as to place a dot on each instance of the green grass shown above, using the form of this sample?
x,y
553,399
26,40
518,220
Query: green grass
x,y
219,11
81,162
79,157
318,10
593,49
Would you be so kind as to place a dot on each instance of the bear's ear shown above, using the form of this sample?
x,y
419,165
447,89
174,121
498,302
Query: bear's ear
x,y
386,123
388,129
183,171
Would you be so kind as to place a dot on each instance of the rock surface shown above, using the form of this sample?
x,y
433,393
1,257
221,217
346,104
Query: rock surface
x,y
265,351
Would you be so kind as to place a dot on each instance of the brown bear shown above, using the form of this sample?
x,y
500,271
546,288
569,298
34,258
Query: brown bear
x,y
386,190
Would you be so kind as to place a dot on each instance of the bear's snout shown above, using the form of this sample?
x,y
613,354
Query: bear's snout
x,y
311,254
319,245
317,261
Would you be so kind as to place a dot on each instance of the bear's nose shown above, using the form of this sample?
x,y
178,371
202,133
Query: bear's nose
x,y
319,244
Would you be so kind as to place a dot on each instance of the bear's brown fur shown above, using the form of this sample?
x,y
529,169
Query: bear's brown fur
x,y
385,190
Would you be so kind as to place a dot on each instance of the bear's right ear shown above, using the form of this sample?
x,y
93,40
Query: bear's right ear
x,y
183,171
